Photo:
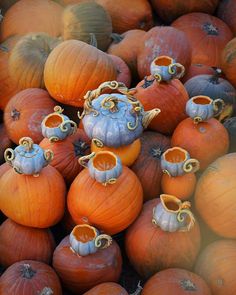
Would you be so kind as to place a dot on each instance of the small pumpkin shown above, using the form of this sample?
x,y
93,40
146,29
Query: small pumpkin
x,y
24,113
197,69
228,61
226,11
107,289
5,142
123,71
79,23
215,265
29,277
230,125
176,281
32,243
207,36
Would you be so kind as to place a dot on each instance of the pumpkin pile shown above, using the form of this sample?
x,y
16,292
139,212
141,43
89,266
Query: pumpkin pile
x,y
118,147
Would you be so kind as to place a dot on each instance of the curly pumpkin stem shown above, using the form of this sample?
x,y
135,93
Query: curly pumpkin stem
x,y
83,160
182,218
9,155
65,128
27,143
103,241
48,155
172,71
58,109
191,166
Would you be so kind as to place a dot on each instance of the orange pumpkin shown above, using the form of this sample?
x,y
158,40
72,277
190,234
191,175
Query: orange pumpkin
x,y
151,249
197,69
107,289
123,71
33,201
205,141
228,61
226,11
75,67
8,87
175,281
3,168
5,142
19,242
111,208
24,17
125,17
207,35
24,113
216,265
214,196
162,41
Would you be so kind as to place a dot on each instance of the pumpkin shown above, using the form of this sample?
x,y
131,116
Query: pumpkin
x,y
171,9
81,273
150,249
230,125
170,98
125,17
24,113
22,197
5,141
27,60
228,61
79,23
73,147
162,41
32,243
207,36
121,45
205,141
217,187
8,87
197,69
181,186
123,71
111,208
148,166
107,289
62,75
128,153
216,265
175,281
28,277
3,168
24,17
226,11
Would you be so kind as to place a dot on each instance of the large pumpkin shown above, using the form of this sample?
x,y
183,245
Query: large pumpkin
x,y
205,141
170,98
169,10
148,164
197,69
207,35
230,125
24,113
20,242
75,67
24,17
150,249
128,17
122,69
228,61
27,60
162,41
216,265
215,196
8,87
175,281
107,289
29,277
226,11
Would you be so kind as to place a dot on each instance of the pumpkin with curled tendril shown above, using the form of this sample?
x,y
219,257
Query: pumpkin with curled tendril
x,y
115,119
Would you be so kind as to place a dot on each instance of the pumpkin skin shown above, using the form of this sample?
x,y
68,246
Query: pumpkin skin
x,y
170,98
27,60
79,274
5,142
226,11
205,141
3,168
8,87
121,47
123,71
79,23
171,9
197,69
22,197
230,125
148,164
24,113
24,17
87,201
162,41
28,277
138,18
228,61
175,281
62,75
218,179
150,249
32,243
207,36
73,147
107,289
216,265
